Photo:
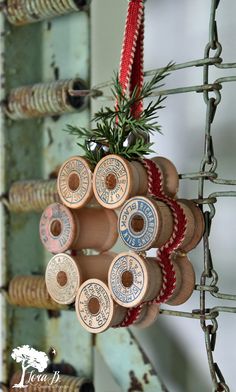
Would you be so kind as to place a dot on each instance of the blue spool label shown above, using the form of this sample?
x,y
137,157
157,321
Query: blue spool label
x,y
126,294
138,209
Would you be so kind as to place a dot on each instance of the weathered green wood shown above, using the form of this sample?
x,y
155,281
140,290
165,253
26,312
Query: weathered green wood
x,y
127,361
31,149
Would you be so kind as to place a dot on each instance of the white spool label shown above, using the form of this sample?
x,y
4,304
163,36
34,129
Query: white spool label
x,y
66,293
100,318
78,168
117,169
143,209
126,294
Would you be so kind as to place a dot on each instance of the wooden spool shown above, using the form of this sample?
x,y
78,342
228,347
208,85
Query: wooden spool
x,y
148,316
74,182
65,383
133,279
87,228
30,291
95,307
65,274
146,223
117,180
199,225
170,177
188,279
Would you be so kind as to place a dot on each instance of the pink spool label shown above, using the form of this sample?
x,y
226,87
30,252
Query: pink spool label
x,y
57,228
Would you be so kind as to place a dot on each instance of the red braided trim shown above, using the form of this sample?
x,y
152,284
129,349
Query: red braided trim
x,y
137,77
131,63
155,189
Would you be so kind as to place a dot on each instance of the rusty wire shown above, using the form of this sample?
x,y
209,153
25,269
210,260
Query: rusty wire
x,y
207,172
45,99
21,12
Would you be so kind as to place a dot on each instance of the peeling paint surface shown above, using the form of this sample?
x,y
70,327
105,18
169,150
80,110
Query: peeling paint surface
x,y
31,149
125,358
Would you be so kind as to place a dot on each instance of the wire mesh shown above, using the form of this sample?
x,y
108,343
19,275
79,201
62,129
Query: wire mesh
x,y
211,92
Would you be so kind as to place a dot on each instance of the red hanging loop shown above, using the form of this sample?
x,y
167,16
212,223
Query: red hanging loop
x,y
131,63
131,76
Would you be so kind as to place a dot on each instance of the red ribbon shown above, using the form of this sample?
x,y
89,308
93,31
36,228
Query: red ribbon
x,y
164,254
131,63
132,76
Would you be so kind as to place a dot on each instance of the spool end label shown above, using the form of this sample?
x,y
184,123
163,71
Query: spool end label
x,y
57,228
74,182
138,223
127,279
62,293
111,181
94,306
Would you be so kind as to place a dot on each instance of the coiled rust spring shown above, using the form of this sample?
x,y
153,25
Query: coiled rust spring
x,y
30,291
45,99
20,12
33,195
63,384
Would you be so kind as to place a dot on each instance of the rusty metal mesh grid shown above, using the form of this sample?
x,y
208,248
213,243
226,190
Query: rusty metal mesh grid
x,y
207,172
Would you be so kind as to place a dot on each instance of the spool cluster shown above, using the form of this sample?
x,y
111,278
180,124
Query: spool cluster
x,y
95,209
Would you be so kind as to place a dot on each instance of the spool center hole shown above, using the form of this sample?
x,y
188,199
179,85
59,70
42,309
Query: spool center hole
x,y
61,278
127,279
56,228
111,181
137,223
93,305
73,182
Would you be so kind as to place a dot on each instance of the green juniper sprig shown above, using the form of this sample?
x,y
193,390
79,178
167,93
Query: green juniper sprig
x,y
116,130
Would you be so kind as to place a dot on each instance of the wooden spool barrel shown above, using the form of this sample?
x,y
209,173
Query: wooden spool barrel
x,y
95,307
117,180
148,316
188,279
65,274
146,223
62,229
133,279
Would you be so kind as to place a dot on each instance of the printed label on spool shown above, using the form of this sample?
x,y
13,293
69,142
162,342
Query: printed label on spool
x,y
74,181
94,305
138,223
62,279
111,181
126,279
57,228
